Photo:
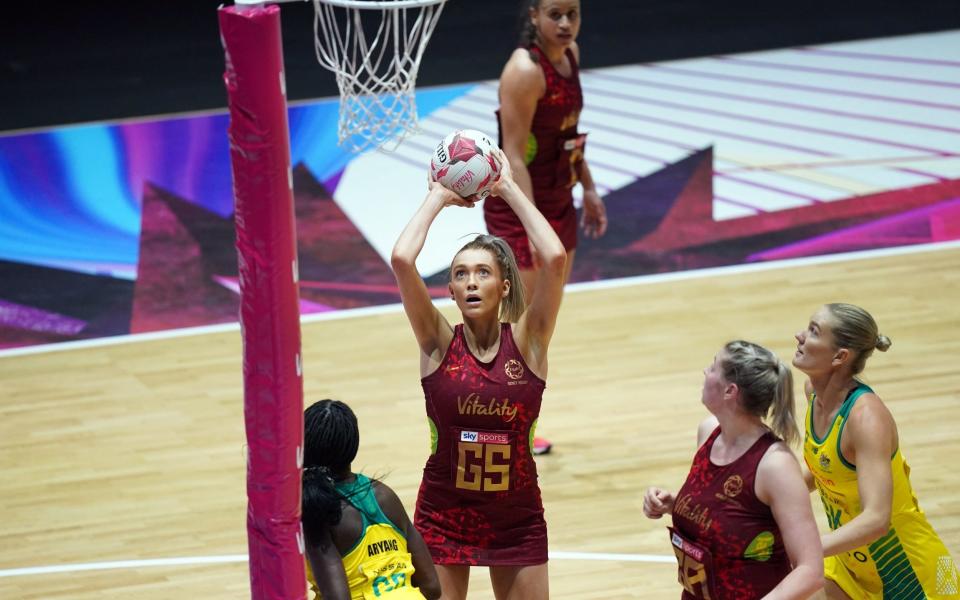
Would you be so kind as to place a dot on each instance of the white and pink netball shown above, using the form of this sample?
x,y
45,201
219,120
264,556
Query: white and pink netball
x,y
464,162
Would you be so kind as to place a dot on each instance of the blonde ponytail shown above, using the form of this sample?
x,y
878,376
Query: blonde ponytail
x,y
766,386
783,418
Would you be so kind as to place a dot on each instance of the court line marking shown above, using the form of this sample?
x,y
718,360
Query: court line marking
x,y
571,288
125,564
242,558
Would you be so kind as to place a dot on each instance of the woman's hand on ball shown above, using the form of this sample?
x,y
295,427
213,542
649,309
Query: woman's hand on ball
x,y
448,197
505,173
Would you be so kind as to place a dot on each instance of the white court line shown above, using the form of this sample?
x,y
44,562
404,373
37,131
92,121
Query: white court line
x,y
242,558
125,564
653,558
571,288
772,265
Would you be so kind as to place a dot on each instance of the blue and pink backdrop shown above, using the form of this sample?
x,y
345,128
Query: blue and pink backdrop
x,y
115,228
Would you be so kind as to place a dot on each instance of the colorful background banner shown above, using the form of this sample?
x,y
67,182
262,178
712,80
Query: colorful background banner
x,y
109,229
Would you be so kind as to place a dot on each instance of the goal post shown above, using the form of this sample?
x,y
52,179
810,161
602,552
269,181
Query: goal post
x,y
269,298
374,48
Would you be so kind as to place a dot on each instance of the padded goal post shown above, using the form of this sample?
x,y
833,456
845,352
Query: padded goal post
x,y
376,75
269,298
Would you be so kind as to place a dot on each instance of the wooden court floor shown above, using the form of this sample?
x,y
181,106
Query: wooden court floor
x,y
135,451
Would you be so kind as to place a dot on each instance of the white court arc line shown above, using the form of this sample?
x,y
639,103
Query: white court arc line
x,y
351,313
242,558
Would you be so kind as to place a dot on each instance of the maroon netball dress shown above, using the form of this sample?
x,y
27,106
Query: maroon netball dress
x,y
479,500
726,540
554,155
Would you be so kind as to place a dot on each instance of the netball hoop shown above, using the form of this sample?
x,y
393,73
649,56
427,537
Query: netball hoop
x,y
375,58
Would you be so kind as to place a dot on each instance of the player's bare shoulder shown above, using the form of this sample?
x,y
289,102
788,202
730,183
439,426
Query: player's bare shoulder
x,y
705,428
779,455
389,502
869,404
777,470
523,72
870,415
777,462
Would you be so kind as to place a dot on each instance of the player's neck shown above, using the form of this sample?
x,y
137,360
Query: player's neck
x,y
737,435
554,54
482,336
831,389
345,476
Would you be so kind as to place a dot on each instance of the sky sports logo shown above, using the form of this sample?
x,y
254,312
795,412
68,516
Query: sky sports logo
x,y
484,437
686,547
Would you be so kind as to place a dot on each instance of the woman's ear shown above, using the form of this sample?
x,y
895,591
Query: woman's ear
x,y
506,288
732,390
842,356
450,289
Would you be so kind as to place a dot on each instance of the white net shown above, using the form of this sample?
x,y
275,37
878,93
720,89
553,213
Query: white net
x,y
374,47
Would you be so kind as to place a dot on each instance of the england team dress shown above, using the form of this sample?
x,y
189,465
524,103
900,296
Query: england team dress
x,y
909,561
479,500
554,157
727,543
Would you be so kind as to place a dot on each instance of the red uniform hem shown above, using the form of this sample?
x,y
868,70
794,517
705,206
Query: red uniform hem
x,y
491,563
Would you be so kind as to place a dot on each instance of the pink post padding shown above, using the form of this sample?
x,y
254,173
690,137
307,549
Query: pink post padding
x,y
269,309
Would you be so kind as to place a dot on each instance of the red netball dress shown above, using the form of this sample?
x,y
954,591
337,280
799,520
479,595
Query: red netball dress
x,y
479,500
554,155
726,540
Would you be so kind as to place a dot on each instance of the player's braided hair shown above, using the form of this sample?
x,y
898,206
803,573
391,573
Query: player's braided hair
x,y
766,385
331,436
528,31
320,501
330,442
